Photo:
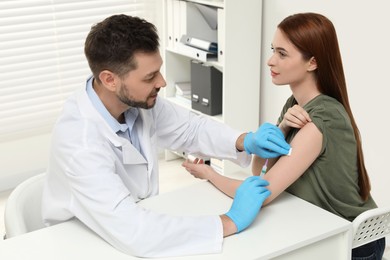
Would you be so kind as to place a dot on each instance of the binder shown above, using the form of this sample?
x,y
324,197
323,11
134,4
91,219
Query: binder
x,y
196,53
170,22
206,88
199,43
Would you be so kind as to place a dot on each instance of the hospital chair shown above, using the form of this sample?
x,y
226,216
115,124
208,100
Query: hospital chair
x,y
22,212
371,225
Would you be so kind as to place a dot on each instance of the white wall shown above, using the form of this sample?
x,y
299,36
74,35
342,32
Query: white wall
x,y
363,33
23,158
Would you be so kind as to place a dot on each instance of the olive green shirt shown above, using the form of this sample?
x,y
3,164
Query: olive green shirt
x,y
331,182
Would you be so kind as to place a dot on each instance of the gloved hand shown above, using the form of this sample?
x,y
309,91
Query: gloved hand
x,y
267,142
247,202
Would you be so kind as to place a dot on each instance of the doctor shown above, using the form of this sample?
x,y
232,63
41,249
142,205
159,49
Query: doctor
x,y
104,151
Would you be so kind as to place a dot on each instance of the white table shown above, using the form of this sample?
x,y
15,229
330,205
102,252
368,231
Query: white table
x,y
288,228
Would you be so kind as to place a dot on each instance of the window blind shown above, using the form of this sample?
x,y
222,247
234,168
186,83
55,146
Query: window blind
x,y
42,57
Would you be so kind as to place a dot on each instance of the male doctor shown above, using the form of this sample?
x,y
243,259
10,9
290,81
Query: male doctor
x,y
104,151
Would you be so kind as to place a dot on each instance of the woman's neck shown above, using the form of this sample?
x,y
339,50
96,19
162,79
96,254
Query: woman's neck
x,y
305,92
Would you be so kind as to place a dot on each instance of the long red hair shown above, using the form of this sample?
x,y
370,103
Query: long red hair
x,y
315,36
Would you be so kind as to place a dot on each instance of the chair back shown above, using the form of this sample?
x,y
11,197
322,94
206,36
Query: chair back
x,y
371,225
22,212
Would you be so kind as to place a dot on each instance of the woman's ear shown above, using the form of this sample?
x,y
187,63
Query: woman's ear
x,y
108,79
312,64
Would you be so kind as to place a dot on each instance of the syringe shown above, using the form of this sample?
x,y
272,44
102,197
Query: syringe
x,y
264,169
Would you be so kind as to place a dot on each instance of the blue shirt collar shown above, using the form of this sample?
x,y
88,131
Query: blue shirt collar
x,y
130,115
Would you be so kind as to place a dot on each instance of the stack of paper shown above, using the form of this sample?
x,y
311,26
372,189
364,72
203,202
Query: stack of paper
x,y
183,92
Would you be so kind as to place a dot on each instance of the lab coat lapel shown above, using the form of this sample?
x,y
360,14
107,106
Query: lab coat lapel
x,y
145,138
130,154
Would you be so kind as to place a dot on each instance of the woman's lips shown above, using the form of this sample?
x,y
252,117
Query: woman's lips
x,y
274,74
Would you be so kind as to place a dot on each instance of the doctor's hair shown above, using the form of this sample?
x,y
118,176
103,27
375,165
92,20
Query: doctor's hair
x,y
112,43
315,36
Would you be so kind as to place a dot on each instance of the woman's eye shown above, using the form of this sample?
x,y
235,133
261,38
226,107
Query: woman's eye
x,y
282,54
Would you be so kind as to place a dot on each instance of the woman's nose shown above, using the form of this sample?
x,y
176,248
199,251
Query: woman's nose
x,y
270,61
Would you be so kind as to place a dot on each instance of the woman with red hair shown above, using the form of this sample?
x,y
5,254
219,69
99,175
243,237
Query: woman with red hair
x,y
326,166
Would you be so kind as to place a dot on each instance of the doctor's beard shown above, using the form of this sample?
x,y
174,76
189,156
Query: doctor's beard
x,y
123,93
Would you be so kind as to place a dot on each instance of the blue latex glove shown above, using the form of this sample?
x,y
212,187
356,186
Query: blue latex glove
x,y
247,202
267,142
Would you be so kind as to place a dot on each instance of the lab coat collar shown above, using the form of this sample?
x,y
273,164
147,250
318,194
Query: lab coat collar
x,y
99,106
130,154
93,111
130,115
88,111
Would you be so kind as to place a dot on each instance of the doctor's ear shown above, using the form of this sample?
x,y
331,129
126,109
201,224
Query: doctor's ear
x,y
312,64
108,79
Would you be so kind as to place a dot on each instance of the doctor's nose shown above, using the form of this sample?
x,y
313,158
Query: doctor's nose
x,y
160,83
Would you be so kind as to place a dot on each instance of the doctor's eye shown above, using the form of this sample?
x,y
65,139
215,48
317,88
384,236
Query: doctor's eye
x,y
150,78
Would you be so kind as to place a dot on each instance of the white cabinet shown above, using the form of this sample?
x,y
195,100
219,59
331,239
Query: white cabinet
x,y
238,34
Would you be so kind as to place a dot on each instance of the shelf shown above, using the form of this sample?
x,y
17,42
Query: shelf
x,y
238,57
184,104
196,54
215,3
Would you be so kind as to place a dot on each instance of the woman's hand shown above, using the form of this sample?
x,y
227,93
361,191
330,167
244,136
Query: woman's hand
x,y
198,169
295,117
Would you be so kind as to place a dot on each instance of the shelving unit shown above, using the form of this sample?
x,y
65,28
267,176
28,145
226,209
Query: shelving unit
x,y
238,35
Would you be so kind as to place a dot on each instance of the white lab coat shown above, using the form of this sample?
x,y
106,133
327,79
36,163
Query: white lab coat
x,y
99,177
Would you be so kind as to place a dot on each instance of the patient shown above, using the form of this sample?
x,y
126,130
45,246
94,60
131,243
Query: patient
x,y
326,166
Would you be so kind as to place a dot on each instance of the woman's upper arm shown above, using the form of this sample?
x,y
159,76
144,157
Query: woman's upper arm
x,y
306,147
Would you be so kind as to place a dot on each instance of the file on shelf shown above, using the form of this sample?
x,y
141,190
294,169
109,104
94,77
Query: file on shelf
x,y
199,43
